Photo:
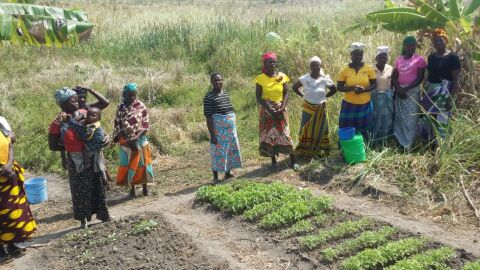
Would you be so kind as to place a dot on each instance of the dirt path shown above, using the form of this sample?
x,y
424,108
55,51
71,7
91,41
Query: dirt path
x,y
239,243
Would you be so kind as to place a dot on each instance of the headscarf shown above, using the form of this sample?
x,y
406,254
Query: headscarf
x,y
318,60
62,95
356,46
381,50
267,56
315,59
129,87
80,90
408,40
441,33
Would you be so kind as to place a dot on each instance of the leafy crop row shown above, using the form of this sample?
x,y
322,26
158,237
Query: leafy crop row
x,y
391,252
432,259
244,195
302,226
341,230
472,266
367,239
265,208
294,211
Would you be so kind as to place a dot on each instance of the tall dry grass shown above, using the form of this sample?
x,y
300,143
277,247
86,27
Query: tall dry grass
x,y
169,47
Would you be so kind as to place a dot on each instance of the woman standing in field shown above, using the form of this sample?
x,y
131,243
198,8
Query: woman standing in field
x,y
356,80
407,76
272,95
102,103
382,97
442,85
86,185
131,127
220,118
314,136
16,220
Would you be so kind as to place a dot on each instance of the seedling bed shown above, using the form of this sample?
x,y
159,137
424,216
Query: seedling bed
x,y
309,227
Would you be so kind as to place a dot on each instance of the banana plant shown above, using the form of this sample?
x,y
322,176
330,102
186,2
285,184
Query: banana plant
x,y
38,25
459,18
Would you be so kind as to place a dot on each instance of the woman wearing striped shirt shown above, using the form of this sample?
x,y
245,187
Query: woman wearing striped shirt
x,y
224,146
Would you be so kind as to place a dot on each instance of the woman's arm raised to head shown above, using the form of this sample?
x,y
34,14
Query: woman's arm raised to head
x,y
101,103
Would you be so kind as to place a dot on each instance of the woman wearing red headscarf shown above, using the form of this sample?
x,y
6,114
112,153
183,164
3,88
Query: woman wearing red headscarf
x,y
272,95
442,85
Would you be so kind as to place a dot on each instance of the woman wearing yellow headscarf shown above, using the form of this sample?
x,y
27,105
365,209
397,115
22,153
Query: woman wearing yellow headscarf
x,y
16,219
442,85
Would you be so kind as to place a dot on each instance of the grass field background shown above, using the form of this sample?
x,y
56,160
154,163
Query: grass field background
x,y
170,47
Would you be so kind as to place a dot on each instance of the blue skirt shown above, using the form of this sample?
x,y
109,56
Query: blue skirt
x,y
382,115
358,116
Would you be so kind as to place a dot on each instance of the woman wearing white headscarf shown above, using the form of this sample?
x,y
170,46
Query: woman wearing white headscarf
x,y
382,97
314,136
357,80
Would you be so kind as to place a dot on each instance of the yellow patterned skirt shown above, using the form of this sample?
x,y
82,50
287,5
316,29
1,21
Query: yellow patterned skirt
x,y
314,137
16,219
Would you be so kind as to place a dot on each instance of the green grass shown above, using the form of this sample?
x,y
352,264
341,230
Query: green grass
x,y
169,47
472,266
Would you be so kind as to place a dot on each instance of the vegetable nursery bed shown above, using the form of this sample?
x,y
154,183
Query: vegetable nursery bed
x,y
309,228
144,241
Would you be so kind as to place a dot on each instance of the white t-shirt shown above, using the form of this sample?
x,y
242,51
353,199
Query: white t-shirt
x,y
5,124
315,90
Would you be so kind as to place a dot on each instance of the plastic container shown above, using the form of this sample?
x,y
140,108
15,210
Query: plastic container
x,y
354,150
36,189
346,133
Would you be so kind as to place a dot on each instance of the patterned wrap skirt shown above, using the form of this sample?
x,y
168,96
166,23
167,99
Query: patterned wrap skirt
x,y
358,116
16,219
226,153
382,127
436,112
135,167
274,134
314,135
88,192
405,121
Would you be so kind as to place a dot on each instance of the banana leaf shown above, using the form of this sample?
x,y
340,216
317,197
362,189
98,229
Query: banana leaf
x,y
467,24
453,9
440,6
431,13
389,4
40,25
474,5
401,20
43,11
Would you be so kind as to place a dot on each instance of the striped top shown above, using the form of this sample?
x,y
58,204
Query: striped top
x,y
216,103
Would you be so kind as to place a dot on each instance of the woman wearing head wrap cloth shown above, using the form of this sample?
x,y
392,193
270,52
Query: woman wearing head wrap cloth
x,y
86,185
408,73
82,93
314,134
356,80
442,84
130,131
272,95
382,97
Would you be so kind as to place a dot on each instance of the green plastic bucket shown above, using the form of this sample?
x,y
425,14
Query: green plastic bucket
x,y
354,150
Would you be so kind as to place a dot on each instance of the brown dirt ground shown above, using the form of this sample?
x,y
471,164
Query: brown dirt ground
x,y
119,245
241,244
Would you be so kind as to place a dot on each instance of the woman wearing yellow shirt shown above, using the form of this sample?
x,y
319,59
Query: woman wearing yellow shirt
x,y
356,80
16,219
272,95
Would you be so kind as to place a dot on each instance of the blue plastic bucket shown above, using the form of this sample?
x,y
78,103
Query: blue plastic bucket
x,y
36,189
346,133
